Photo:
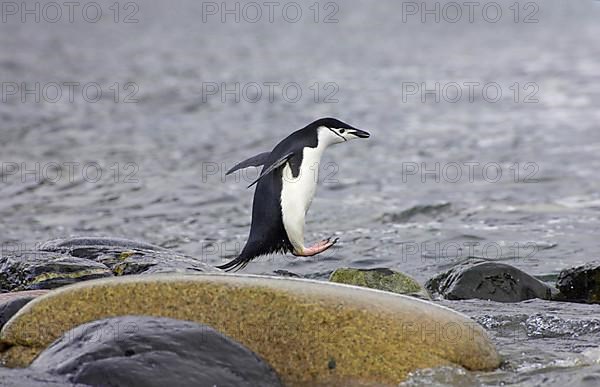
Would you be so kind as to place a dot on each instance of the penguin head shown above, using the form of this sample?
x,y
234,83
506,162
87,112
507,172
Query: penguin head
x,y
335,131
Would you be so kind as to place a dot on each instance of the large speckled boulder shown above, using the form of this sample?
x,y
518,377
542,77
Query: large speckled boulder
x,y
29,270
382,279
580,284
153,351
310,332
488,281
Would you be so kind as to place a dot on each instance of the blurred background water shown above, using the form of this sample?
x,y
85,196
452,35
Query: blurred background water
x,y
485,141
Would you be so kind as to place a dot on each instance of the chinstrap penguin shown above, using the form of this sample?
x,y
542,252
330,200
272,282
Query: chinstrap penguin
x,y
285,189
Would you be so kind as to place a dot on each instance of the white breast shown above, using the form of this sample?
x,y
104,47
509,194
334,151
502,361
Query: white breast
x,y
297,194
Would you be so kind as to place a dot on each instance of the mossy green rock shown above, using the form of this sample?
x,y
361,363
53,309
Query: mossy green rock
x,y
312,333
381,279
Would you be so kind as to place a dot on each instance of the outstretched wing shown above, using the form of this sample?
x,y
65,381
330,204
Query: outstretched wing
x,y
276,164
254,161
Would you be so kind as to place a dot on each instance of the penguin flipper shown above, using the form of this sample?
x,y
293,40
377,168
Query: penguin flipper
x,y
254,161
278,163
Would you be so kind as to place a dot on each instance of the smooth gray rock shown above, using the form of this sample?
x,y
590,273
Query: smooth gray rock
x,y
153,351
488,281
25,377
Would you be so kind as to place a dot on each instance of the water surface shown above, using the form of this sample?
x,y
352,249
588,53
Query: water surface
x,y
163,156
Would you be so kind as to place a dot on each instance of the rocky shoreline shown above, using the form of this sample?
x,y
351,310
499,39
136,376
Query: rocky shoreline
x,y
139,313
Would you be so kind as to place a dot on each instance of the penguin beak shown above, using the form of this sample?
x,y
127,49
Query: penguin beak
x,y
360,133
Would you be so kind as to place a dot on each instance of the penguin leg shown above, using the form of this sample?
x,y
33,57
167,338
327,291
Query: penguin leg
x,y
317,248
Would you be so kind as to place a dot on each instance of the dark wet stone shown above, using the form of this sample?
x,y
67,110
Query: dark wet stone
x,y
25,377
580,284
91,247
68,244
380,278
154,262
65,261
153,351
488,281
10,303
126,257
285,273
30,270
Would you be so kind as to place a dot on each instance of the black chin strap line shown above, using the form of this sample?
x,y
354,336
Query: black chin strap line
x,y
337,134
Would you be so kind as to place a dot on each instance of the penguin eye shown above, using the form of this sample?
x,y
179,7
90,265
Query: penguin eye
x,y
342,131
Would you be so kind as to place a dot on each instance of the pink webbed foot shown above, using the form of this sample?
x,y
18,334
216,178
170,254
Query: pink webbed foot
x,y
317,248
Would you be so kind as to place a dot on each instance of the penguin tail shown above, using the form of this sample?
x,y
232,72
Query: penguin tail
x,y
236,264
252,250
